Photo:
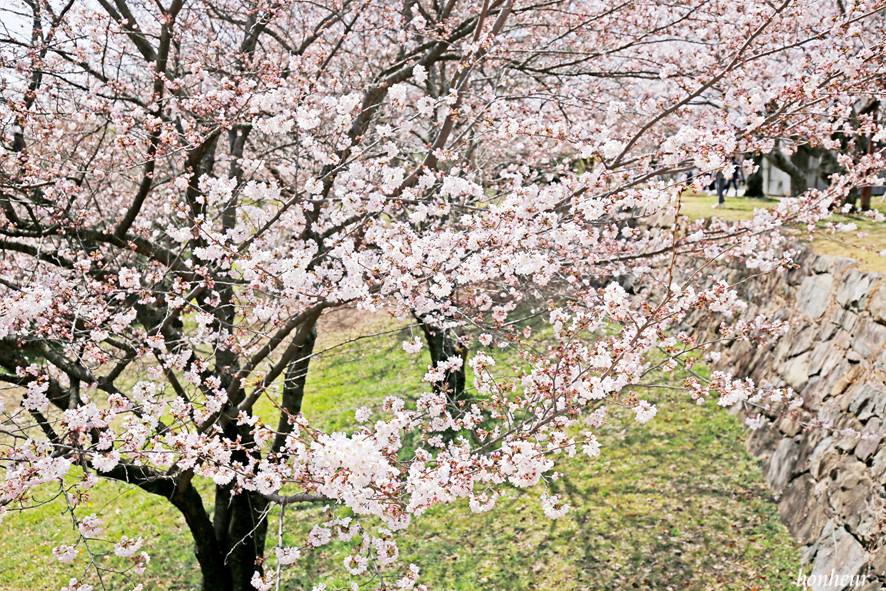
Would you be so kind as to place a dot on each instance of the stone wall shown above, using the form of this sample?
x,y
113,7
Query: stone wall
x,y
829,486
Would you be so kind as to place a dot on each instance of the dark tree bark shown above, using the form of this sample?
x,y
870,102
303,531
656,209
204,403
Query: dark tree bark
x,y
210,556
239,521
754,182
179,489
866,191
241,528
294,389
443,345
797,174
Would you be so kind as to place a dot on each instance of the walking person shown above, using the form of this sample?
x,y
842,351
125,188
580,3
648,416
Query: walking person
x,y
720,184
737,176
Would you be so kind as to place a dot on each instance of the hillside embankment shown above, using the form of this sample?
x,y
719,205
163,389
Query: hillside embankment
x,y
829,483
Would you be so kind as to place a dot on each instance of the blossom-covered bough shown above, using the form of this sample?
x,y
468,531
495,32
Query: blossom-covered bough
x,y
187,187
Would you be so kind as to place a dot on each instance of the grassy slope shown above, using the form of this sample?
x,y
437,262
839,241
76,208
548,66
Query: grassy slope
x,y
676,504
865,249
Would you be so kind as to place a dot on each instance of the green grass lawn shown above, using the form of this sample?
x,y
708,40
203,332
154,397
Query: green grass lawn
x,y
674,504
865,249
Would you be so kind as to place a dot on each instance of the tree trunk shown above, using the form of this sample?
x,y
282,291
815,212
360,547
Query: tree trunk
x,y
241,528
210,555
294,388
867,190
754,182
865,201
240,520
443,345
798,176
184,496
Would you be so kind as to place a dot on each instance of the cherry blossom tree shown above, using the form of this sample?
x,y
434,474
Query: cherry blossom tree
x,y
187,187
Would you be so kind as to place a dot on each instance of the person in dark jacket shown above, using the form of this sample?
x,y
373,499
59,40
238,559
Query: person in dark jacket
x,y
737,177
720,184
